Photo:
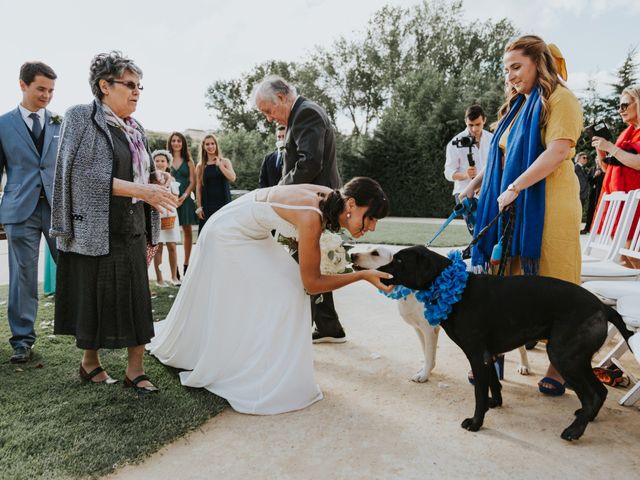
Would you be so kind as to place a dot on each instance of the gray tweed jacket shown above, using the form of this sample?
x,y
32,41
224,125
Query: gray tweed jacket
x,y
82,184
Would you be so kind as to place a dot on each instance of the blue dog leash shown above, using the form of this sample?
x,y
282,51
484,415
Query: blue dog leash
x,y
466,208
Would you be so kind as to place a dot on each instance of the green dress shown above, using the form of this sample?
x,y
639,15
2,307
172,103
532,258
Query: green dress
x,y
186,211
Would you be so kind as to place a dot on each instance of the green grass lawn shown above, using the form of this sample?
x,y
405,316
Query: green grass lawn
x,y
407,233
54,426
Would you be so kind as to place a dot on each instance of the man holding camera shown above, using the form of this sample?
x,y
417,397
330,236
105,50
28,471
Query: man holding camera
x,y
468,151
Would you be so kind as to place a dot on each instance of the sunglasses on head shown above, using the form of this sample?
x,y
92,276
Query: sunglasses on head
x,y
622,107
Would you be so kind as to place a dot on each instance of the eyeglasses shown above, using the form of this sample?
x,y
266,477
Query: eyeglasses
x,y
130,85
623,106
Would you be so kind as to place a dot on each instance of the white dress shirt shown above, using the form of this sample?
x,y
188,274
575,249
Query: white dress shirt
x,y
28,120
457,158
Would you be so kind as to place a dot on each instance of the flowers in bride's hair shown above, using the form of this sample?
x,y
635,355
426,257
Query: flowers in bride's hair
x,y
55,119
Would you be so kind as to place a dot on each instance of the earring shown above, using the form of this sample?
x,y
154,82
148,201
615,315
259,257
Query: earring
x,y
348,214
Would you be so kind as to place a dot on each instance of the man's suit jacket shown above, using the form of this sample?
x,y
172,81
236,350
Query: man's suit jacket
x,y
310,147
27,171
583,179
270,175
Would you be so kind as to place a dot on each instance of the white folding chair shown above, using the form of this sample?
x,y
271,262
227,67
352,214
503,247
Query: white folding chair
x,y
610,268
601,244
629,308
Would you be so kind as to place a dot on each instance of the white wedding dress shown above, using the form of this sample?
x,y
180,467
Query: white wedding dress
x,y
241,323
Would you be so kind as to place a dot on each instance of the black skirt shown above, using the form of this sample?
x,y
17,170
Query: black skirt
x,y
105,301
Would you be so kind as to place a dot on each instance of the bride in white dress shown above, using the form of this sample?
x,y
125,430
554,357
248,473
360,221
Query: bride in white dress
x,y
241,323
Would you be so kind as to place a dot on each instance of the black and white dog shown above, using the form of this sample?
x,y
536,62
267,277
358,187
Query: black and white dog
x,y
498,314
412,312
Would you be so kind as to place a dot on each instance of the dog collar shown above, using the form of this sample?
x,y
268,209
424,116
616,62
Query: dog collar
x,y
445,291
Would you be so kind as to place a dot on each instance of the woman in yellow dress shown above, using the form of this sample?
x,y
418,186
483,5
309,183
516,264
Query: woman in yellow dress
x,y
530,166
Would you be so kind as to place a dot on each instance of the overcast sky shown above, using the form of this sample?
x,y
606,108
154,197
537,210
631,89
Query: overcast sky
x,y
184,46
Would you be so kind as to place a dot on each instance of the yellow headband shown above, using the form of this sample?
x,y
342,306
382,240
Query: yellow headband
x,y
561,65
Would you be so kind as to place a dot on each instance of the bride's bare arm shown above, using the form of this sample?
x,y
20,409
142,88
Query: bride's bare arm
x,y
314,282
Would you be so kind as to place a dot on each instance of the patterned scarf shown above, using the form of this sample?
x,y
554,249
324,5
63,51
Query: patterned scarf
x,y
139,155
524,146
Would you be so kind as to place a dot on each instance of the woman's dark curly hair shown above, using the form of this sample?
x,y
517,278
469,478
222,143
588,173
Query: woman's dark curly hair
x,y
365,191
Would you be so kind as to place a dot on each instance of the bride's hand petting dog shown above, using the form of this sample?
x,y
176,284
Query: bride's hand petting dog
x,y
497,314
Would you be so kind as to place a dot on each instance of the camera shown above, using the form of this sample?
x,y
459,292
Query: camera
x,y
598,129
464,142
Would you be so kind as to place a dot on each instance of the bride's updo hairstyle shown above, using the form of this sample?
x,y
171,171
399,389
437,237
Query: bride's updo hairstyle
x,y
365,191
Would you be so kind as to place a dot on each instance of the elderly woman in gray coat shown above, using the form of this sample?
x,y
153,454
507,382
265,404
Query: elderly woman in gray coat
x,y
105,200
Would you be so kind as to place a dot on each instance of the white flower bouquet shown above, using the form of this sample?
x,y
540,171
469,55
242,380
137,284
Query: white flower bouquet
x,y
334,253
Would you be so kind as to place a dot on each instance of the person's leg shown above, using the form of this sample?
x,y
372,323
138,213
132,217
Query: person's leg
x,y
135,365
325,317
91,361
24,245
188,241
173,260
546,387
157,261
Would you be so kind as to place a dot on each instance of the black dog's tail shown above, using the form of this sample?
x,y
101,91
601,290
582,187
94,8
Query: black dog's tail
x,y
617,321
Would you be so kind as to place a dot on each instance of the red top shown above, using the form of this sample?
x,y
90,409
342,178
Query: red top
x,y
620,178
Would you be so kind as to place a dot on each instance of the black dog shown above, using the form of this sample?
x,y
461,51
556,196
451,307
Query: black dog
x,y
498,314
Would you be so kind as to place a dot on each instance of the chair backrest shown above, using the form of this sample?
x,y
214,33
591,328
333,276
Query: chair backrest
x,y
629,236
608,226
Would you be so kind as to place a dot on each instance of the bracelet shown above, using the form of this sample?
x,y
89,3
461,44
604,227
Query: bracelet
x,y
512,187
198,210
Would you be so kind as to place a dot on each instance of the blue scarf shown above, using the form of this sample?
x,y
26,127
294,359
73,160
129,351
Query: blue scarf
x,y
524,146
445,291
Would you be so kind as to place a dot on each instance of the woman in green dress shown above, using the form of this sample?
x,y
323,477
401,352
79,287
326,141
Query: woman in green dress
x,y
184,171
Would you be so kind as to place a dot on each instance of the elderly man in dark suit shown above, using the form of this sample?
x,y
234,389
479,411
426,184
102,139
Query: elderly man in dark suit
x,y
28,145
271,168
309,157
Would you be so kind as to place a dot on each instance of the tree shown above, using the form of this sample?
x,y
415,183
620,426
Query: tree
x,y
626,76
245,149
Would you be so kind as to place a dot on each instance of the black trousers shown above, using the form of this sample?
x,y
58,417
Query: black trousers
x,y
324,315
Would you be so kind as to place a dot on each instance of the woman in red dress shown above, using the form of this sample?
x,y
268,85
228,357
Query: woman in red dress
x,y
624,177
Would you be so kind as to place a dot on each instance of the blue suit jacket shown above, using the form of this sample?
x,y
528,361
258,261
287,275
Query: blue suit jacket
x,y
27,172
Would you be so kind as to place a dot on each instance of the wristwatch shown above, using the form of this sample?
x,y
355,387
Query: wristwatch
x,y
512,187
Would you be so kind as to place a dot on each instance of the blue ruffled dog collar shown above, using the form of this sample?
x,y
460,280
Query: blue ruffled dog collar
x,y
445,291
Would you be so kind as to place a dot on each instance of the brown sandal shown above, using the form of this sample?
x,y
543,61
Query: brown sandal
x,y
142,390
88,377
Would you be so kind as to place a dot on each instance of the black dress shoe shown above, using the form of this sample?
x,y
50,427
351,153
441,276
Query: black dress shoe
x,y
584,231
318,337
21,355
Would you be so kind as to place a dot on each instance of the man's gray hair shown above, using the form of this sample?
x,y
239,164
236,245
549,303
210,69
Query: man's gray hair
x,y
270,86
109,66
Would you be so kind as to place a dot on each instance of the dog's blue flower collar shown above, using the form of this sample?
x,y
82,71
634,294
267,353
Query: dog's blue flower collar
x,y
445,291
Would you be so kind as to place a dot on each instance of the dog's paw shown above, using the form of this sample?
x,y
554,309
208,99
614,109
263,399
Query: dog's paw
x,y
572,432
471,424
523,370
421,377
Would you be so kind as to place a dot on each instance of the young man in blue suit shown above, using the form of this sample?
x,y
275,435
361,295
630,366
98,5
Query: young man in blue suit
x,y
28,146
271,168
